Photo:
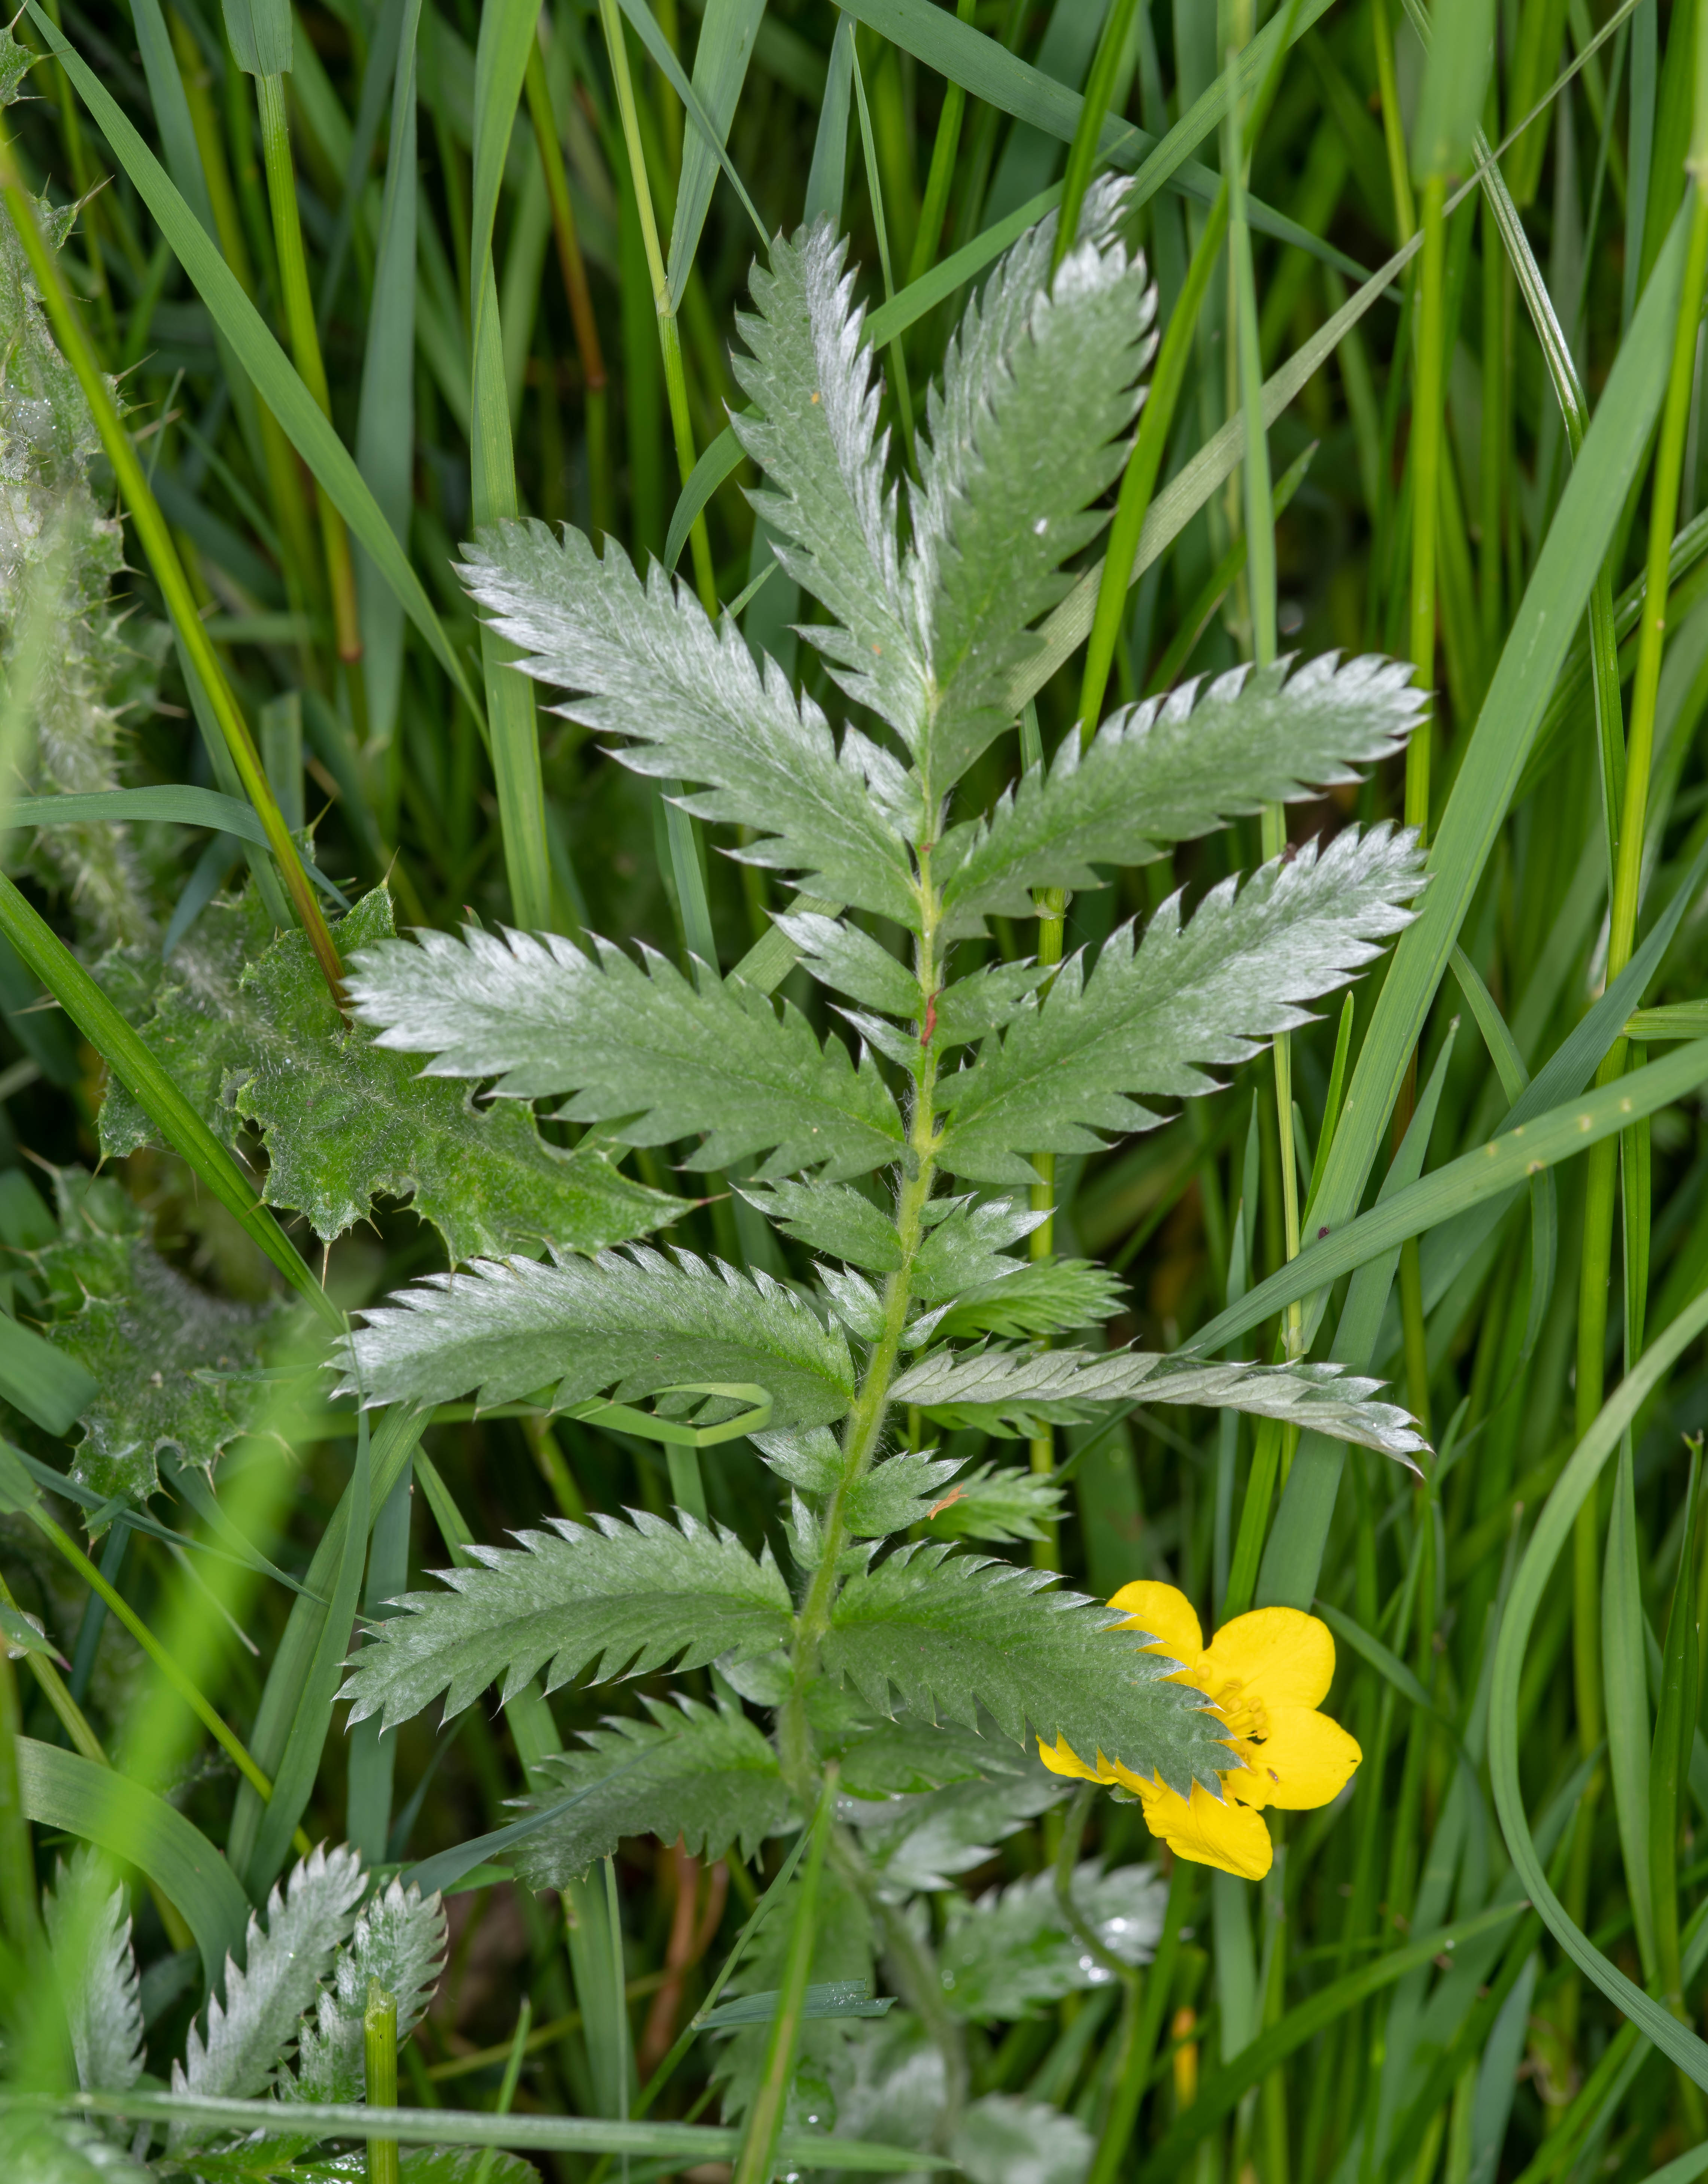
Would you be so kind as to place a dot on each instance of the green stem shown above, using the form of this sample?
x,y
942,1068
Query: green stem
x,y
1427,410
1114,2142
380,2056
305,343
765,2120
1392,125
169,573
939,180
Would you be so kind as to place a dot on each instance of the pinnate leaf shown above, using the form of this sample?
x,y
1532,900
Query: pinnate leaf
x,y
923,1841
640,1048
631,1321
649,666
1173,768
614,1599
399,1940
996,1501
1149,1016
704,1773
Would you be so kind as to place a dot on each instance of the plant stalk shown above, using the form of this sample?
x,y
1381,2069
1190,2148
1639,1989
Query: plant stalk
x,y
380,2058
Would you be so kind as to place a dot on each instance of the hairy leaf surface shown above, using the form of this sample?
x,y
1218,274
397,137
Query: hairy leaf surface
x,y
1002,2139
650,666
614,1599
1013,1953
631,1321
399,1940
1149,1016
89,1932
1024,436
169,1360
345,1122
830,513
1170,770
640,1048
951,1632
832,1217
704,1773
996,1501
1018,1392
249,2034
1043,1297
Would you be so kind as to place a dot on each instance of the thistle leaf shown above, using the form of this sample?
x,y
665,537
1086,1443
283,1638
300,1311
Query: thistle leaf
x,y
830,514
950,1633
650,666
1026,435
630,1321
250,2035
345,1122
169,1360
704,1774
1170,770
89,1932
614,1601
640,1048
1012,1952
1208,992
1017,1392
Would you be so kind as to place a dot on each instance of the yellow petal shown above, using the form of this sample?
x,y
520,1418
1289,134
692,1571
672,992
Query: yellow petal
x,y
1061,1758
1280,1655
1231,1837
1167,1614
1305,1761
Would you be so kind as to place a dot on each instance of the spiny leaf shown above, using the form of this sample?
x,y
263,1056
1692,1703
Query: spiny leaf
x,y
653,668
1208,992
629,1320
641,1049
902,1755
169,1361
399,1941
923,1841
1017,1392
704,1775
89,1931
345,1122
951,1632
1013,1953
1172,769
249,2035
829,512
997,1502
617,1599
1038,386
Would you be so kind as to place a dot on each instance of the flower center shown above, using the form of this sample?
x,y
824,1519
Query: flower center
x,y
1243,1711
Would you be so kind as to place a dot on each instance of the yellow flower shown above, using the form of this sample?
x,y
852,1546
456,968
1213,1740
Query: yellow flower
x,y
1264,1676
